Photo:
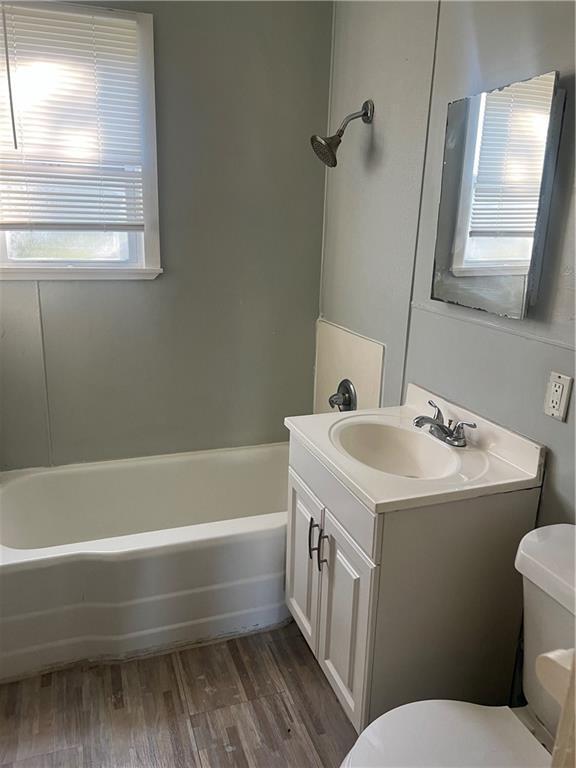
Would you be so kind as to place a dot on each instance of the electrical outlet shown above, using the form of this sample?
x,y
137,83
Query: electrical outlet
x,y
557,396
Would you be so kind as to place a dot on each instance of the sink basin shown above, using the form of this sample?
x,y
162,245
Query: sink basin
x,y
395,450
389,464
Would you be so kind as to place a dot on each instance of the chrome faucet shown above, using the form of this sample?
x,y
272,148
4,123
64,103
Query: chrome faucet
x,y
454,436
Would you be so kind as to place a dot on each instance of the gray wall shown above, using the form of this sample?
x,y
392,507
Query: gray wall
x,y
382,51
220,348
494,366
216,351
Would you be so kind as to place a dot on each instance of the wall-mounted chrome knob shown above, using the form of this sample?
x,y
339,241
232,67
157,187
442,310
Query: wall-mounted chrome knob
x,y
345,397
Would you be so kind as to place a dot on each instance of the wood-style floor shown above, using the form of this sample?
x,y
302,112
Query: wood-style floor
x,y
258,701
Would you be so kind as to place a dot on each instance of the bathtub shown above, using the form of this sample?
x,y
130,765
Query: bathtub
x,y
118,558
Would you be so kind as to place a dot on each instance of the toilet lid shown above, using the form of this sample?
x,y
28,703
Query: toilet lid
x,y
447,734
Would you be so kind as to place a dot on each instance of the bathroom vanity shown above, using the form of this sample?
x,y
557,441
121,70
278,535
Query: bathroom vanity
x,y
400,554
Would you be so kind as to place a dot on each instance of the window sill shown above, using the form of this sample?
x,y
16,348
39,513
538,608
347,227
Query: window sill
x,y
79,273
487,271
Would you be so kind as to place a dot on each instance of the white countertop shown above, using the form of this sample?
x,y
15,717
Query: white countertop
x,y
495,460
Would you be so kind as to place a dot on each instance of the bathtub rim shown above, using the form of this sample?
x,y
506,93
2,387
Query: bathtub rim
x,y
150,542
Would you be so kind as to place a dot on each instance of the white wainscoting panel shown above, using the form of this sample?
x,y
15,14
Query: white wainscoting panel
x,y
343,354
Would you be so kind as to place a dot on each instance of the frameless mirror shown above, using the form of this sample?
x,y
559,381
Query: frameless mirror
x,y
500,154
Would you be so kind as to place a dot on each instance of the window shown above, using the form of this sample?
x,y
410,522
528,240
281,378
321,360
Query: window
x,y
502,175
78,189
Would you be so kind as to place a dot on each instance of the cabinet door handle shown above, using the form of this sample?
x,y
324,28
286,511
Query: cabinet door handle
x,y
311,527
319,558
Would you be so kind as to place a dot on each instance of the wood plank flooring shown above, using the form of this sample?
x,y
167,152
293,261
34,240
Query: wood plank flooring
x,y
259,701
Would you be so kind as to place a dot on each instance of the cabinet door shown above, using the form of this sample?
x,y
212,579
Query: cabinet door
x,y
347,585
302,574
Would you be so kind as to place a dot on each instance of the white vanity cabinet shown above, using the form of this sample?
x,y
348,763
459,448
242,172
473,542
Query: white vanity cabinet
x,y
348,580
305,517
404,601
329,588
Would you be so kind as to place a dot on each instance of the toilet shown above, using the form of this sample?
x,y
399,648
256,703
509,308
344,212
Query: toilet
x,y
457,734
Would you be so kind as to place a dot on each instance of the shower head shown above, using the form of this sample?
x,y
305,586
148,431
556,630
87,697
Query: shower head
x,y
326,146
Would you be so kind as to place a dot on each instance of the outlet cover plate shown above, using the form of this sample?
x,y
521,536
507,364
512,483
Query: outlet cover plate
x,y
557,396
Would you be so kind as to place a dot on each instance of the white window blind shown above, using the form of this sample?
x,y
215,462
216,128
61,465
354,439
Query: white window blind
x,y
513,128
71,136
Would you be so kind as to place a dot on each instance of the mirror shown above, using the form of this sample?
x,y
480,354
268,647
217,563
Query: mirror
x,y
500,154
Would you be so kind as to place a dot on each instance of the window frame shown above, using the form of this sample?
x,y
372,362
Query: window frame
x,y
149,266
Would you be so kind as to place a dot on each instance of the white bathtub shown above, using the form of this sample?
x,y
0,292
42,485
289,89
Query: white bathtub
x,y
121,557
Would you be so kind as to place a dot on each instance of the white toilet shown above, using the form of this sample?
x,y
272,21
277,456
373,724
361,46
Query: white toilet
x,y
442,734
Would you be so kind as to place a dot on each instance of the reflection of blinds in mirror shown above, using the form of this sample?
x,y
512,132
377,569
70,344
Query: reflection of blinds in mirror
x,y
510,158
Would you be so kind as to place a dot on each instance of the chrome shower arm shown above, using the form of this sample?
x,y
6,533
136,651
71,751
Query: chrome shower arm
x,y
366,113
348,119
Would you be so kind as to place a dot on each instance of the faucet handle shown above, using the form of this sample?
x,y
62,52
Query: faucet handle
x,y
345,397
337,399
457,438
458,431
438,415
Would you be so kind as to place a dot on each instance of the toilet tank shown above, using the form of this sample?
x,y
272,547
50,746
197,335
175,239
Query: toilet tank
x,y
546,561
